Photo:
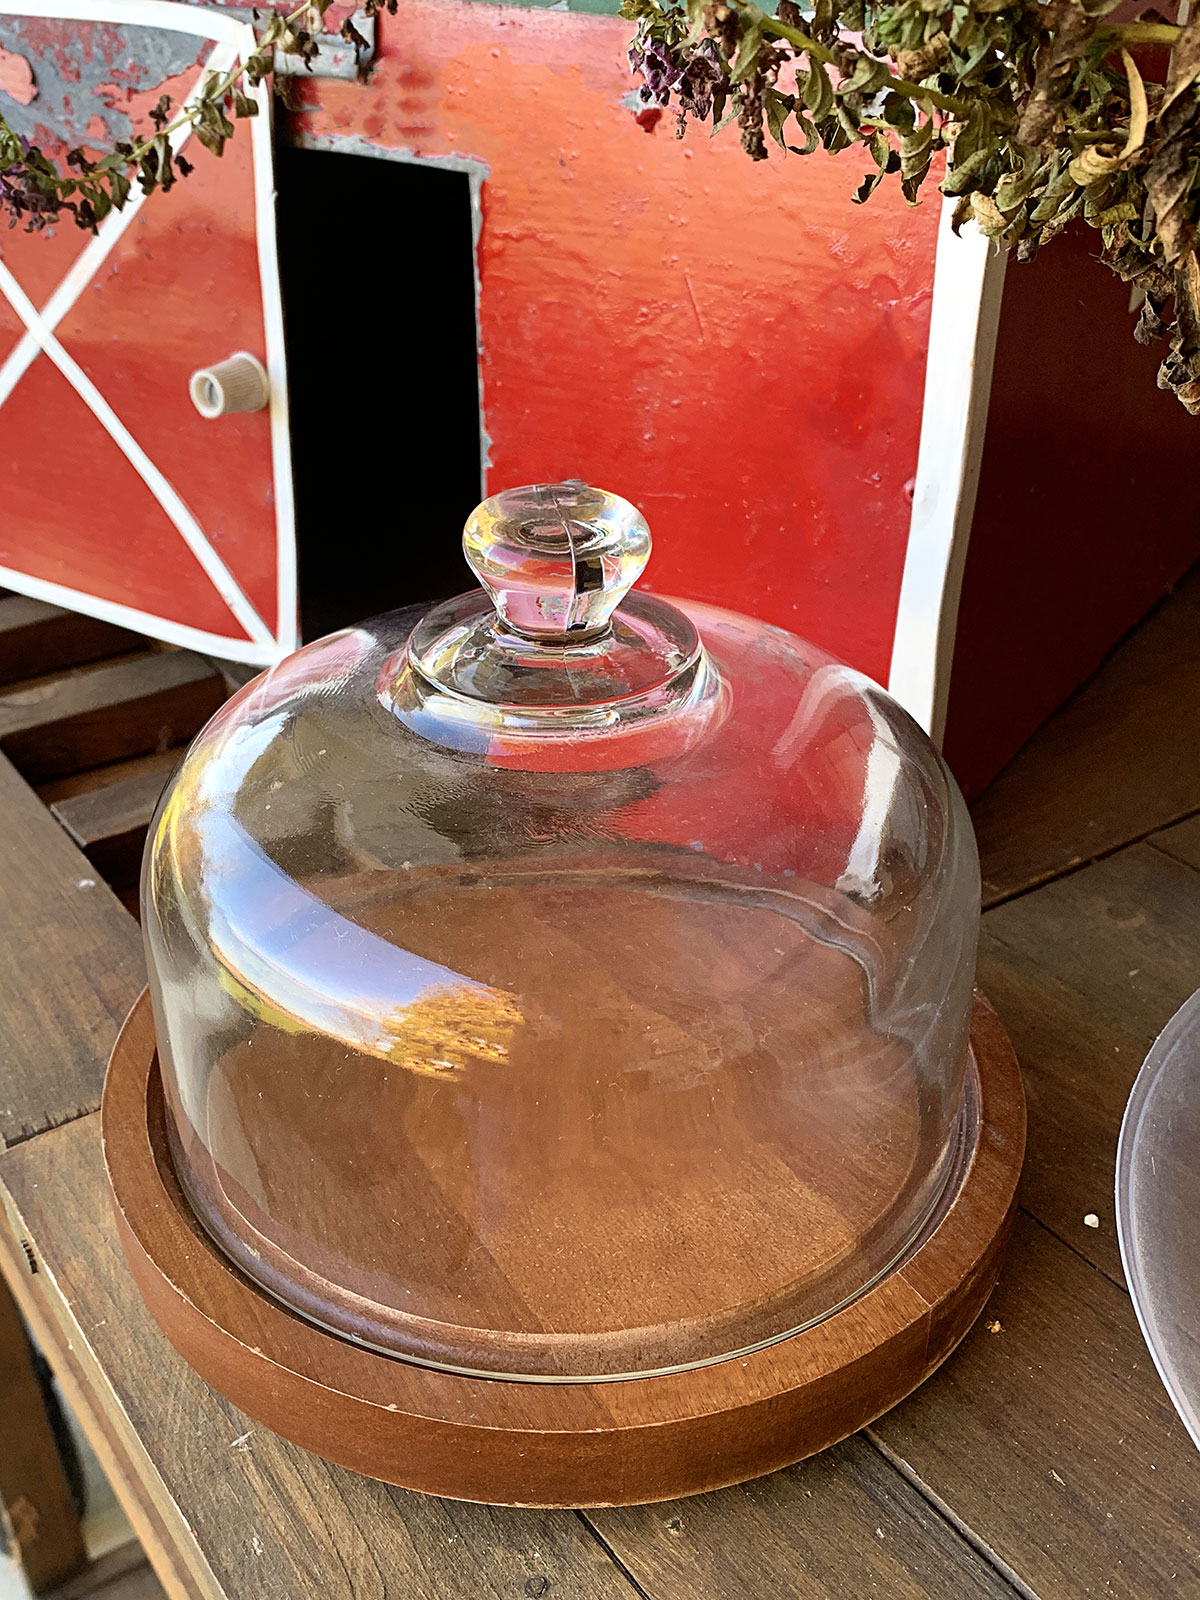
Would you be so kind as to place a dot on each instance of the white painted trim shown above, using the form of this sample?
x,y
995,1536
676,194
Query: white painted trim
x,y
967,285
59,594
204,22
235,37
287,627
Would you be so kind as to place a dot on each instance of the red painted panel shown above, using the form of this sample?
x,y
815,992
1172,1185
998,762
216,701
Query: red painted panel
x,y
737,348
178,292
74,511
11,327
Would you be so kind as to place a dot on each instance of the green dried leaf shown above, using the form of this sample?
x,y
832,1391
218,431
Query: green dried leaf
x,y
730,116
746,57
817,91
1125,211
867,188
811,137
963,174
868,77
899,113
1015,187
1060,185
776,112
212,141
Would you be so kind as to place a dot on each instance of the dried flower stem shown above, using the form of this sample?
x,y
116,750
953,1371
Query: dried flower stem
x,y
774,29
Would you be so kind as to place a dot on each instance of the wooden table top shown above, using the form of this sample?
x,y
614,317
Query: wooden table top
x,y
1043,1461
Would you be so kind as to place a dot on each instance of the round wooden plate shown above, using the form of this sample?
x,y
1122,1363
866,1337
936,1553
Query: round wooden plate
x,y
564,1444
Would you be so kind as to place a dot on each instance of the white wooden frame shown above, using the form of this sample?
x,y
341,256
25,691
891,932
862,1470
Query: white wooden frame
x,y
233,40
967,285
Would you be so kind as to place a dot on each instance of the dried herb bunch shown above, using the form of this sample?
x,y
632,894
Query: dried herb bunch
x,y
1041,107
34,191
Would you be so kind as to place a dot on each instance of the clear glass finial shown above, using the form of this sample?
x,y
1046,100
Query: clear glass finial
x,y
556,558
558,663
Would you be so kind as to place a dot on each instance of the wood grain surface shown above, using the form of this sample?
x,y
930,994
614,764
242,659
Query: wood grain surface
x,y
1181,842
36,638
269,1519
1087,970
109,822
699,1205
1053,1439
58,724
35,1497
1042,1461
1120,759
259,1516
58,919
120,1574
86,1390
844,1524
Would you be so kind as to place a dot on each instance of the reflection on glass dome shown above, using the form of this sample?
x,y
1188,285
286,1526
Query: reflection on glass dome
x,y
572,1004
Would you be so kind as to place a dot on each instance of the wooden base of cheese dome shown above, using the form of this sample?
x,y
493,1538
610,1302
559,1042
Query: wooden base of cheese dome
x,y
619,1442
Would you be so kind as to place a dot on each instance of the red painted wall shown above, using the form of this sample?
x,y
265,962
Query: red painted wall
x,y
736,348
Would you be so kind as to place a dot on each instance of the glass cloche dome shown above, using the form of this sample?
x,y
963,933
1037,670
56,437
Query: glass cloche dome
x,y
574,985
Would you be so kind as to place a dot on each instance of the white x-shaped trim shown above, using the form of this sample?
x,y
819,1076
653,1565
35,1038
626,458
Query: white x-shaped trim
x,y
234,39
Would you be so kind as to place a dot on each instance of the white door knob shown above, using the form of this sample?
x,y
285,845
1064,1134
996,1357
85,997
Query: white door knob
x,y
237,384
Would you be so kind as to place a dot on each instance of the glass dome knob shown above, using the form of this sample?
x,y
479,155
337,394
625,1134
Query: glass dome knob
x,y
556,558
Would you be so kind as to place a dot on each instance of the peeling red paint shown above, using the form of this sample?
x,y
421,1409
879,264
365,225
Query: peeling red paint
x,y
16,77
137,103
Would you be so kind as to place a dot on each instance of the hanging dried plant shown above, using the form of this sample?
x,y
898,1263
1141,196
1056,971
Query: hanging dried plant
x,y
35,192
1041,108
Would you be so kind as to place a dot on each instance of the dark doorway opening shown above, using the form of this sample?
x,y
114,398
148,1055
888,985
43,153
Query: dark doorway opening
x,y
377,269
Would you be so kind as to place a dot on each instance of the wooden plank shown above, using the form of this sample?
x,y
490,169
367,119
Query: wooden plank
x,y
122,1574
1085,972
36,1497
843,1524
37,638
70,967
82,1392
1182,842
1053,1440
109,824
100,714
1120,759
265,1518
163,762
